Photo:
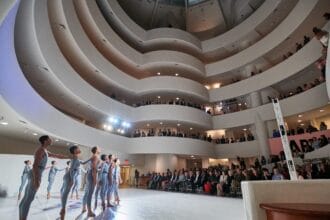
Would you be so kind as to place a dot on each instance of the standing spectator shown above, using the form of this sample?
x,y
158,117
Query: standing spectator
x,y
323,126
306,40
277,175
136,178
298,46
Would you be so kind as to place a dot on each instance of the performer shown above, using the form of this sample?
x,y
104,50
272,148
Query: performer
x,y
102,180
51,177
110,185
77,182
67,166
39,164
24,177
116,179
91,182
69,177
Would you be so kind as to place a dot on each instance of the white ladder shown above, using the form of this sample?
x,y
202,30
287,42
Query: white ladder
x,y
284,138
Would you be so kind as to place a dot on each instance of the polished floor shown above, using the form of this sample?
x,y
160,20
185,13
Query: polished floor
x,y
136,204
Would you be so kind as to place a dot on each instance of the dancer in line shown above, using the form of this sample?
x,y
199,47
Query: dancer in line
x,y
91,182
67,166
116,180
77,183
102,180
51,177
110,182
69,178
24,177
39,165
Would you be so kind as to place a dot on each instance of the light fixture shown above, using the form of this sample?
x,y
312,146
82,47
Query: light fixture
x,y
35,134
113,120
299,116
299,121
321,110
158,73
177,98
190,128
57,140
302,124
177,74
244,129
239,104
158,97
4,123
161,123
125,124
148,125
67,144
192,156
207,87
178,125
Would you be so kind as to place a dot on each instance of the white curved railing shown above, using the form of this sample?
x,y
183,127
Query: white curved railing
x,y
157,38
45,53
327,67
242,149
304,58
128,58
29,105
303,102
296,17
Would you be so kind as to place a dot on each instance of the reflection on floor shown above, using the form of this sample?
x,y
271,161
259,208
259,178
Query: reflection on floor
x,y
136,204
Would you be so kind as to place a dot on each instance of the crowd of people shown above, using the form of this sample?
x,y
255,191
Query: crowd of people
x,y
177,133
102,178
300,130
226,180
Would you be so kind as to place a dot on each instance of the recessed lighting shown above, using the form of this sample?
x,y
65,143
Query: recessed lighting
x,y
291,93
321,110
4,123
192,156
244,129
57,140
178,125
148,125
190,128
158,73
299,116
177,98
239,104
161,123
302,124
299,121
158,97
35,134
177,74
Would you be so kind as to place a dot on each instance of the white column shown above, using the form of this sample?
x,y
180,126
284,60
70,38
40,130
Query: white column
x,y
261,135
255,99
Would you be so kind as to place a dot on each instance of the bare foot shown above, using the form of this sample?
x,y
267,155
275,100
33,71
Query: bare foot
x,y
48,195
91,214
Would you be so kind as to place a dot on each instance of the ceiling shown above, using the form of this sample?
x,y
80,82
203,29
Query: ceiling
x,y
204,18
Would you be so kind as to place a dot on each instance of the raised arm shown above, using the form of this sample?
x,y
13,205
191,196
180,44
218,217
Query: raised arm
x,y
58,156
84,162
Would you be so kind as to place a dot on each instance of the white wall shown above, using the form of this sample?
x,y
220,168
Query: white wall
x,y
11,167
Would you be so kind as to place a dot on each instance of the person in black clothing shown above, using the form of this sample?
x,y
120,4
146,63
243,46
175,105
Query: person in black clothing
x,y
136,178
306,40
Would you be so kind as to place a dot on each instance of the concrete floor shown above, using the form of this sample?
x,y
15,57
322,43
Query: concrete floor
x,y
136,204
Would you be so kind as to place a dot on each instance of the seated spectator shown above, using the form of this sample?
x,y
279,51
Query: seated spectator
x,y
265,174
323,140
276,133
300,130
263,160
323,126
315,143
277,175
222,181
311,129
